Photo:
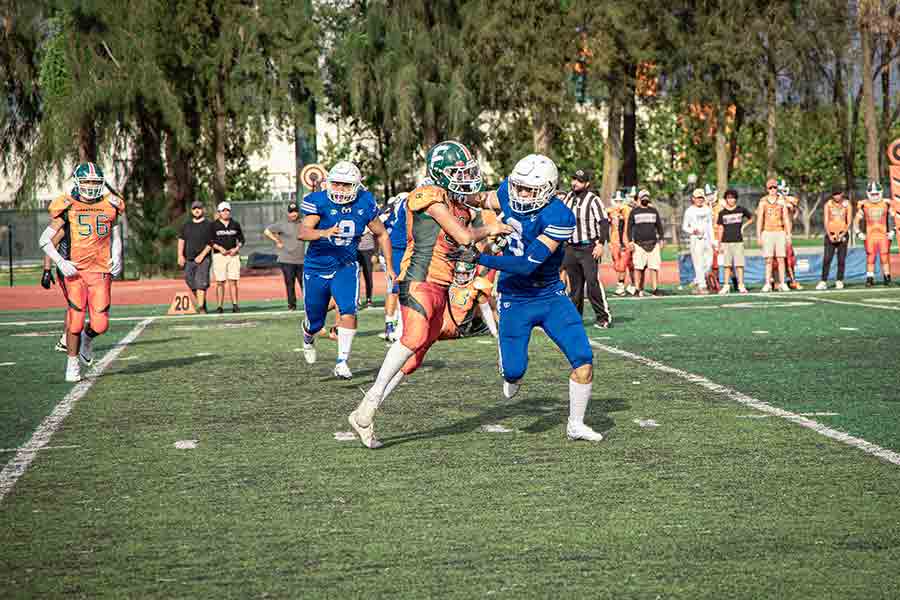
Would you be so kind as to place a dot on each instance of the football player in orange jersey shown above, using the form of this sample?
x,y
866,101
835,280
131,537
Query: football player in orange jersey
x,y
877,235
621,255
437,221
94,256
47,281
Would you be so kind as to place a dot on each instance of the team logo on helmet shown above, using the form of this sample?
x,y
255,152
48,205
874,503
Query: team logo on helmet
x,y
89,181
451,166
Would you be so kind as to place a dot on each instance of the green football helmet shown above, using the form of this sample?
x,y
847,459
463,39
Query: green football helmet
x,y
89,181
874,191
451,166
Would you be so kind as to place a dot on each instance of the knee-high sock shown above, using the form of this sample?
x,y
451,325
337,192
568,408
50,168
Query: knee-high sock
x,y
394,382
396,357
488,315
345,342
579,396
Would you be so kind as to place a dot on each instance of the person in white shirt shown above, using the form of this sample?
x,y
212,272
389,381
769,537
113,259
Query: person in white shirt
x,y
697,223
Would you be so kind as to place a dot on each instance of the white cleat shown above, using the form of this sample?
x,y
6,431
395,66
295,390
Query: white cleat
x,y
580,431
726,289
309,353
86,352
342,371
366,434
510,390
766,288
73,370
838,285
782,287
822,285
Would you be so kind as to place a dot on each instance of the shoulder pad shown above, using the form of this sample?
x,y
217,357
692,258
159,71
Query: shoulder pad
x,y
59,205
424,196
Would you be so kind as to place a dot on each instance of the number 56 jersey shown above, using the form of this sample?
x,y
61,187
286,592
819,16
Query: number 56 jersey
x,y
89,229
556,221
331,253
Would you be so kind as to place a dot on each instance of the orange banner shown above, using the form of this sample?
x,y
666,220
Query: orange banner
x,y
895,182
894,152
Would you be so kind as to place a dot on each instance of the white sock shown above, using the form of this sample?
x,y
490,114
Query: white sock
x,y
870,274
396,357
394,382
398,323
488,315
579,396
62,338
345,342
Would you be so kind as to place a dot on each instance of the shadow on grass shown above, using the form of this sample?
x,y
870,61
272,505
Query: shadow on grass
x,y
159,365
140,342
547,418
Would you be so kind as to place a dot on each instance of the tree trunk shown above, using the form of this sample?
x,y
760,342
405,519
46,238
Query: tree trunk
x,y
219,143
629,131
148,172
842,115
733,138
885,138
86,140
722,162
542,132
612,148
771,121
868,99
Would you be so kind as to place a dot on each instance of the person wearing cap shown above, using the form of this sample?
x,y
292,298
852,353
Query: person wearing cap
x,y
585,247
697,223
838,218
194,248
290,251
773,230
730,224
227,239
644,236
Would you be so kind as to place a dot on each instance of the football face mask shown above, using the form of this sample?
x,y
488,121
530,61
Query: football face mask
x,y
874,191
343,182
88,181
532,183
451,166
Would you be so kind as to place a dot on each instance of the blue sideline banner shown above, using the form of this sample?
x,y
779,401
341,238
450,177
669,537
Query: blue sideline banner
x,y
809,267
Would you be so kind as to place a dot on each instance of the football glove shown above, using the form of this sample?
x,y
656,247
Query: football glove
x,y
67,268
115,265
861,235
466,254
47,279
890,235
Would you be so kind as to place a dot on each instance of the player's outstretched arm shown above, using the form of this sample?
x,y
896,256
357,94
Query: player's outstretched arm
x,y
535,255
384,242
309,233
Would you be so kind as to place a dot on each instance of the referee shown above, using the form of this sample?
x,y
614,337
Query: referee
x,y
585,247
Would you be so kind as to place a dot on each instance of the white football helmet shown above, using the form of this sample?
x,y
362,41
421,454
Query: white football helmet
x,y
874,191
783,188
710,192
532,183
343,172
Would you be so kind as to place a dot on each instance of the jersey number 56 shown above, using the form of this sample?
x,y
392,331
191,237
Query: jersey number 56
x,y
88,225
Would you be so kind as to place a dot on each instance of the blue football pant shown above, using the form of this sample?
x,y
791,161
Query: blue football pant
x,y
320,288
559,319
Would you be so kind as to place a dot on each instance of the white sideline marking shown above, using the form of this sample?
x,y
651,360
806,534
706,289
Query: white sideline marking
x,y
186,444
843,437
344,436
782,295
806,414
495,429
243,315
645,423
6,450
849,328
760,332
34,334
201,354
25,455
882,300
857,304
668,335
7,364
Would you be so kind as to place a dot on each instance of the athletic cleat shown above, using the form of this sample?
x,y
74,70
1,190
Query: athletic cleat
x,y
61,344
766,288
510,390
342,371
782,287
86,353
580,431
73,371
887,280
743,290
631,290
602,324
726,289
366,434
309,353
390,331
838,285
795,285
822,285
620,289
870,282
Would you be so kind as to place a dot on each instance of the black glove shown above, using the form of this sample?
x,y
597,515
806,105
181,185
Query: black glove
x,y
47,279
466,254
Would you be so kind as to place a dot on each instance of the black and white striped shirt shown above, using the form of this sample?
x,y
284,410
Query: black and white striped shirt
x,y
589,216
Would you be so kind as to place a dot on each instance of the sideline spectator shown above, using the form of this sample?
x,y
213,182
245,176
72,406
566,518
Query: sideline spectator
x,y
773,230
621,255
364,255
227,239
731,223
697,223
644,235
290,251
838,217
194,247
585,248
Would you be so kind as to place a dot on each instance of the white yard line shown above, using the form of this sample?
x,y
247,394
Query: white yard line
x,y
770,295
880,306
732,394
243,315
25,455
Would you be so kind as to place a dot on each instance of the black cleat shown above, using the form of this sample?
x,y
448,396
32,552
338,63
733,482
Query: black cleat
x,y
870,282
887,280
220,310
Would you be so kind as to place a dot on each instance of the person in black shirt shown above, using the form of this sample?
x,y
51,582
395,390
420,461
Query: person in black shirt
x,y
194,248
644,236
730,232
227,239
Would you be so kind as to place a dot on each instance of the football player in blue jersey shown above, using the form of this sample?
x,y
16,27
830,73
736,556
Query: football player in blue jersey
x,y
530,291
333,222
394,218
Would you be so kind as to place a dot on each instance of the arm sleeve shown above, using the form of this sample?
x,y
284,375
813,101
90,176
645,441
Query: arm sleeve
x,y
534,256
308,206
561,227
